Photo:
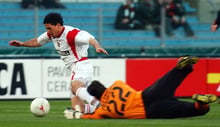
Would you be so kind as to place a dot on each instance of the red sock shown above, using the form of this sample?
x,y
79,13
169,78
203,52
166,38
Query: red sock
x,y
200,106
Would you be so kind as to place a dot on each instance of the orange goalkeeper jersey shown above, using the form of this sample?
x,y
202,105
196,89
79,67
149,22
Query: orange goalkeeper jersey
x,y
119,101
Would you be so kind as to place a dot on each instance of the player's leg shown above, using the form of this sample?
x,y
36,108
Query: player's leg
x,y
80,91
187,29
166,86
173,108
75,100
80,80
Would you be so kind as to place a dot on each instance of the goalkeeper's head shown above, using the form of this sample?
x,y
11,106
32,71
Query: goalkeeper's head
x,y
96,89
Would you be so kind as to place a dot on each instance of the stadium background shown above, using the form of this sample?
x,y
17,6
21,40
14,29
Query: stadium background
x,y
136,56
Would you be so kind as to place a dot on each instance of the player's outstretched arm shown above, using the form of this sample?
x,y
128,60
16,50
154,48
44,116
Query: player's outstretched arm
x,y
15,43
98,48
29,43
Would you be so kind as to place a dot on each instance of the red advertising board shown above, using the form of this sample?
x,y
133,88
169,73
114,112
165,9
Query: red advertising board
x,y
141,73
213,76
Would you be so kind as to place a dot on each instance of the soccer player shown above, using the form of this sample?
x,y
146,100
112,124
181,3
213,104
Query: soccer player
x,y
216,23
72,45
157,101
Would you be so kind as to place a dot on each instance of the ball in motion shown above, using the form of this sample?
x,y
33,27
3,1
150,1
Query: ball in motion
x,y
40,107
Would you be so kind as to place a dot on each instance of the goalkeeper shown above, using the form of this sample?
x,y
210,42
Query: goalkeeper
x,y
156,101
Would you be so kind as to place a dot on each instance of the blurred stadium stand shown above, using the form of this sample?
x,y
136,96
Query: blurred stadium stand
x,y
98,19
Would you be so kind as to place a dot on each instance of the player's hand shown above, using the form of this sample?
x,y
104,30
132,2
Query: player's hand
x,y
101,50
15,43
77,114
183,20
126,20
175,19
73,114
214,28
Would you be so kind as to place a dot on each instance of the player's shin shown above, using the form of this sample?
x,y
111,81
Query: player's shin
x,y
84,95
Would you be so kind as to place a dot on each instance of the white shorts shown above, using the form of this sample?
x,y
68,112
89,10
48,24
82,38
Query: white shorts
x,y
83,71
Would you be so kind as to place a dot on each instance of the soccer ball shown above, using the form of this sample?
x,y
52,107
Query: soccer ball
x,y
40,107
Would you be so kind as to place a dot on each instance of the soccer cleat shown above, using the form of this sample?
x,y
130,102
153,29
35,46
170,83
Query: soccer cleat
x,y
186,61
205,98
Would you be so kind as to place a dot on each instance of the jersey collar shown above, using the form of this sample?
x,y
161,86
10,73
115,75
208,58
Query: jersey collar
x,y
61,32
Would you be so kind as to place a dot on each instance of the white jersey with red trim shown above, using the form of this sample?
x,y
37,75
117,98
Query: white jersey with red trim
x,y
72,44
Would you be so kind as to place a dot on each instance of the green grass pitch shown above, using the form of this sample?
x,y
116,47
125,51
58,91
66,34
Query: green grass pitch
x,y
17,114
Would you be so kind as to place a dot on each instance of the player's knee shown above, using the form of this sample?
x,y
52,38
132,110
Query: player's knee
x,y
75,85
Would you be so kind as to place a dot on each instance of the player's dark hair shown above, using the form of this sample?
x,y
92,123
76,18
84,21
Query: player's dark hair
x,y
96,89
53,18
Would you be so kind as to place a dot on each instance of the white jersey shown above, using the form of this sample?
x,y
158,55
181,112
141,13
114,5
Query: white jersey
x,y
72,44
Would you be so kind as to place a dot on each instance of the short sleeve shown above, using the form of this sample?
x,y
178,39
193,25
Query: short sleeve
x,y
83,37
43,38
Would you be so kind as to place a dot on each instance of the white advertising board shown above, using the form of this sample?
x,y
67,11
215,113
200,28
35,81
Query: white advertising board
x,y
28,78
55,79
20,78
108,70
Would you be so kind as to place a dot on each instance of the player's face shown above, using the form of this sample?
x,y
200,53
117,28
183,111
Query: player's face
x,y
53,30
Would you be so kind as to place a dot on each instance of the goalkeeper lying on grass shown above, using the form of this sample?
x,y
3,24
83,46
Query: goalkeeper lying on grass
x,y
157,101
